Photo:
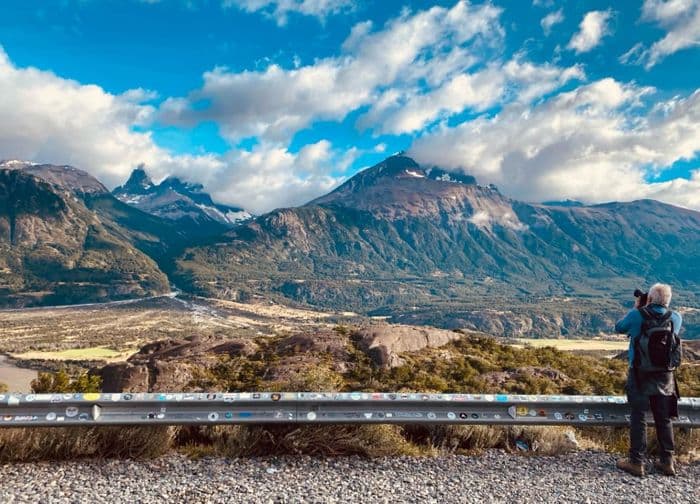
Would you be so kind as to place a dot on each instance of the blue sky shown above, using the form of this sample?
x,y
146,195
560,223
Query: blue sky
x,y
271,103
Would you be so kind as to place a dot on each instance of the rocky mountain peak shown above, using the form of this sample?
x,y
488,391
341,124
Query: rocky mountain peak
x,y
181,186
179,200
139,182
399,186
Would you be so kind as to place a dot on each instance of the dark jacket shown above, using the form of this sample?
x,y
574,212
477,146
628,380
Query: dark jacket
x,y
657,383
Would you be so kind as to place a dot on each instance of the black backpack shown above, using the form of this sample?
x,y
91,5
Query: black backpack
x,y
657,348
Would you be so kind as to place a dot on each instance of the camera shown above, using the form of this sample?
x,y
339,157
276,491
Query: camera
x,y
643,297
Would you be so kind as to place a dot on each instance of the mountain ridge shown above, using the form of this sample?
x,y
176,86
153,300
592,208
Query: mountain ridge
x,y
179,201
388,240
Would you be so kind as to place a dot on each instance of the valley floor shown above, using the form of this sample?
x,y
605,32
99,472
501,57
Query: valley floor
x,y
493,477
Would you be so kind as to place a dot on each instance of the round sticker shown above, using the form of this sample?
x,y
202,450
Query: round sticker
x,y
71,411
91,396
213,416
51,416
311,415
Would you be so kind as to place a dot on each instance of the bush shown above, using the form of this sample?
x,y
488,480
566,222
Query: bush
x,y
61,382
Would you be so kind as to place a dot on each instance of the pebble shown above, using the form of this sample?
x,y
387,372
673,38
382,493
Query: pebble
x,y
495,476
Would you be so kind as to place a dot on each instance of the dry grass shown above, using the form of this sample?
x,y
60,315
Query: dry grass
x,y
331,440
92,353
127,325
476,438
571,345
63,443
616,440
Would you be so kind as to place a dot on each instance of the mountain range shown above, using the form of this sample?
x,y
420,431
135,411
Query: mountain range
x,y
413,243
182,202
425,246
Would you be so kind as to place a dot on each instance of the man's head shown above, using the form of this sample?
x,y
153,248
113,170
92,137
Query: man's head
x,y
660,294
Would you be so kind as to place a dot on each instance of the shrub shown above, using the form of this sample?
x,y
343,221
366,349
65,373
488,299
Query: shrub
x,y
61,381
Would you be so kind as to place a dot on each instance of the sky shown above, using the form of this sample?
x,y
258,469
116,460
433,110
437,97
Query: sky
x,y
271,103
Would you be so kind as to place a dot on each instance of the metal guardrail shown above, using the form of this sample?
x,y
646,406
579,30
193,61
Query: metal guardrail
x,y
28,410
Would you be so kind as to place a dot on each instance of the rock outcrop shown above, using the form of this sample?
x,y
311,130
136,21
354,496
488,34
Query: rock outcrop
x,y
385,342
168,365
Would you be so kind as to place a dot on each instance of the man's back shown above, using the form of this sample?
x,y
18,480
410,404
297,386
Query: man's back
x,y
631,325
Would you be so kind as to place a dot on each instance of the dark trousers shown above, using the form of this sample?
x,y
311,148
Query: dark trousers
x,y
661,408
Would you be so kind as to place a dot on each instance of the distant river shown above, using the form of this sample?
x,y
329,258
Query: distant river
x,y
17,379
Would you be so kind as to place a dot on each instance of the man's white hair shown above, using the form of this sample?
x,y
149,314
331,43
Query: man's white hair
x,y
660,294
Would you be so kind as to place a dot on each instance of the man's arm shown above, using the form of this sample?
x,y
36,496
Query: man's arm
x,y
623,326
677,322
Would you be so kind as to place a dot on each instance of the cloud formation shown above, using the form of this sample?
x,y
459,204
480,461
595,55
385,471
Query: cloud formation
x,y
680,19
417,75
49,119
599,142
279,10
594,26
550,20
418,69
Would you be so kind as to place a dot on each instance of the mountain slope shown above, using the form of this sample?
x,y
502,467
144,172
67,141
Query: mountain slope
x,y
66,177
181,202
159,238
429,247
53,250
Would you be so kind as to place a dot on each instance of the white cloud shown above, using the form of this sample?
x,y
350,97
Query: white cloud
x,y
592,144
550,20
46,118
280,9
593,27
497,83
269,176
414,71
680,19
274,103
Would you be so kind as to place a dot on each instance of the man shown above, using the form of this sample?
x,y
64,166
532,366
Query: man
x,y
644,389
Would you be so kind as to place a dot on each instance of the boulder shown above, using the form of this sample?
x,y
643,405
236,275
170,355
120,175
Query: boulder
x,y
385,342
123,377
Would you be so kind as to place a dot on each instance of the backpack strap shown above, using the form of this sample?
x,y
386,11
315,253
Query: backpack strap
x,y
648,314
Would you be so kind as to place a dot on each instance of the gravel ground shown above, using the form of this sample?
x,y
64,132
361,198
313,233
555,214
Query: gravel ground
x,y
493,477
